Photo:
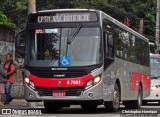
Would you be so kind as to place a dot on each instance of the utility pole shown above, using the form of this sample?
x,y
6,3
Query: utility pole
x,y
31,9
157,40
31,6
141,26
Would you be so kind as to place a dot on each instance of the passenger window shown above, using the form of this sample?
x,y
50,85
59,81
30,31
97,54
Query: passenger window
x,y
109,49
110,46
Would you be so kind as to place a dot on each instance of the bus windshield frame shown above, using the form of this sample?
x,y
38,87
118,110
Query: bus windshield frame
x,y
84,49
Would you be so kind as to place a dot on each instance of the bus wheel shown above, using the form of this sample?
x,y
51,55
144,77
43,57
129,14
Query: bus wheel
x,y
114,105
50,106
135,104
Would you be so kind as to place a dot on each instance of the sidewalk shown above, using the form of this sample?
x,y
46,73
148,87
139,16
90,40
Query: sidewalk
x,y
21,103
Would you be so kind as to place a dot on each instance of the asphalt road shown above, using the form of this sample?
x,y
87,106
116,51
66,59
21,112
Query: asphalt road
x,y
76,111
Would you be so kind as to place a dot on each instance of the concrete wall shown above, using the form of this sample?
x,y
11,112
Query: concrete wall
x,y
7,36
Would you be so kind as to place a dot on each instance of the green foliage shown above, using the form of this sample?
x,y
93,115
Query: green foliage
x,y
15,11
89,4
5,21
133,10
20,6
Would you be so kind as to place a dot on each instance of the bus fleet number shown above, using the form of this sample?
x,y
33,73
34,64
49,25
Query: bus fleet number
x,y
73,82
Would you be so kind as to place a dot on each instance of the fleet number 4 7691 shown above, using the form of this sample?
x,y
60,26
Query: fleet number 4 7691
x,y
73,82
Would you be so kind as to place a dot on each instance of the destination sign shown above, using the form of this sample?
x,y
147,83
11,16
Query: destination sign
x,y
69,17
63,17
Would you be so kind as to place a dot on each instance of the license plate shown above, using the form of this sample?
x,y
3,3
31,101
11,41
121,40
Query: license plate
x,y
59,93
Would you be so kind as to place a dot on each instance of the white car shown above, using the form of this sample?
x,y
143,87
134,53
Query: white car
x,y
155,79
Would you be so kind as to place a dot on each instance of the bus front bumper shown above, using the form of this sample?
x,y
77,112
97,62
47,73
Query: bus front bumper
x,y
93,93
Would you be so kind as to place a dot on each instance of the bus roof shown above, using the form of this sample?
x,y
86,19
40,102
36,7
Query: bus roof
x,y
101,12
58,10
113,20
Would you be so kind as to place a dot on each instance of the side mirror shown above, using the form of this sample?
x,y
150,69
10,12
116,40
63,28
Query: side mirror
x,y
20,43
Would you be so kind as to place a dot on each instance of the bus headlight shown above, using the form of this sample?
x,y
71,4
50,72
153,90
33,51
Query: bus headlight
x,y
29,83
93,82
96,79
26,75
26,80
155,87
89,84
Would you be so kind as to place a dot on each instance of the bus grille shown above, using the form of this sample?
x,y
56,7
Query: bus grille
x,y
59,73
69,92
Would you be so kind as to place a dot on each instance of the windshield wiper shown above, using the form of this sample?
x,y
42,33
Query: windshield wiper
x,y
52,62
74,34
71,37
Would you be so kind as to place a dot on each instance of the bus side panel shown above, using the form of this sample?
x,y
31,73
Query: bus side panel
x,y
115,71
139,77
130,75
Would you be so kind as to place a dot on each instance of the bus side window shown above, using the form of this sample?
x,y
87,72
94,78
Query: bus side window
x,y
110,46
109,49
106,43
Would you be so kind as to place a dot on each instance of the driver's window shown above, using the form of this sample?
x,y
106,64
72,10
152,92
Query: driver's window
x,y
106,43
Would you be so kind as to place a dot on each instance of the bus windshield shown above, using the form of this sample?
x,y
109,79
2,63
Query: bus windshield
x,y
64,47
155,67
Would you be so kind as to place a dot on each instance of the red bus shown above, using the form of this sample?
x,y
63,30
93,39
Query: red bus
x,y
85,57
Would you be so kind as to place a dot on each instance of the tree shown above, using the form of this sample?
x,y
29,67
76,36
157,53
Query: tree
x,y
122,10
5,21
15,11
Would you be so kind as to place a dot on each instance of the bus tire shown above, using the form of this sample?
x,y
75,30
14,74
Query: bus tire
x,y
115,104
144,102
135,104
50,106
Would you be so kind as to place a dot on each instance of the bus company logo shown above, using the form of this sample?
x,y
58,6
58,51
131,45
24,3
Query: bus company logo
x,y
58,69
59,75
6,111
59,83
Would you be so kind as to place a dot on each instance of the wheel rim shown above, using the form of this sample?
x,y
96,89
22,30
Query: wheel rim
x,y
116,99
139,98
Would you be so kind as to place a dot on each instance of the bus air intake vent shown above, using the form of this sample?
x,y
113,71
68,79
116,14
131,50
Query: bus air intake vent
x,y
59,73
